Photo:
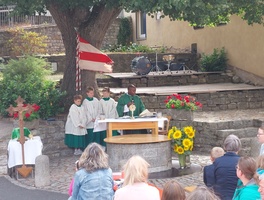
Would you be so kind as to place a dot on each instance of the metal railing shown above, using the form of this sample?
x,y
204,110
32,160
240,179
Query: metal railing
x,y
9,19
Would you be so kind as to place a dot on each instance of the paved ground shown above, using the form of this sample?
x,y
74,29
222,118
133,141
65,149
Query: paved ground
x,y
62,168
11,191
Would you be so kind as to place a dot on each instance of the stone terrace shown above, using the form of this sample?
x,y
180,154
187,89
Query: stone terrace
x,y
218,92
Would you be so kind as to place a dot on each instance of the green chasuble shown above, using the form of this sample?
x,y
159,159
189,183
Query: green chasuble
x,y
125,99
16,133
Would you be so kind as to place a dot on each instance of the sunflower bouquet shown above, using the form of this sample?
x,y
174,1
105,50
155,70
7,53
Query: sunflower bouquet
x,y
182,139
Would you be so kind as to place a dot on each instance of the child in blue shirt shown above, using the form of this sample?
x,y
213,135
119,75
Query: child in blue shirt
x,y
208,175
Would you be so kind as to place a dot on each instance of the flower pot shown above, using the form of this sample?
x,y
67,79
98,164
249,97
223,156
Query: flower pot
x,y
182,161
180,115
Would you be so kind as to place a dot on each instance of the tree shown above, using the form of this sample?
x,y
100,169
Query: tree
x,y
92,18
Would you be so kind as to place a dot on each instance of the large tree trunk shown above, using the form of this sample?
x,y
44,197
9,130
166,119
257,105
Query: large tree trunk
x,y
92,26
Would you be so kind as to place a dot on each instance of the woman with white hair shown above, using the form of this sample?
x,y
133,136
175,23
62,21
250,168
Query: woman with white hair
x,y
202,193
94,179
135,185
225,169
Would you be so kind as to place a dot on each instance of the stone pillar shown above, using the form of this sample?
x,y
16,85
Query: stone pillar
x,y
42,173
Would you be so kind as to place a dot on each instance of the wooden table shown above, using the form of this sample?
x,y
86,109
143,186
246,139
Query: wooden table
x,y
132,124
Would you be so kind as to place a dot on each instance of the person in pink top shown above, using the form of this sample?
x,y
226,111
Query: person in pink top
x,y
72,181
135,182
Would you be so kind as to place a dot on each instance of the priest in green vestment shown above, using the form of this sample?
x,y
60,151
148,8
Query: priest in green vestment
x,y
128,99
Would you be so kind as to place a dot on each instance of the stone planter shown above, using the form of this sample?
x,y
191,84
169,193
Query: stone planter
x,y
180,118
180,115
34,124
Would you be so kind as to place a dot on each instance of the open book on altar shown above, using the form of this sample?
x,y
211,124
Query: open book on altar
x,y
147,113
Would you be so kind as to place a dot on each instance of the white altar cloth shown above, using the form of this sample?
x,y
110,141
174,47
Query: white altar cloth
x,y
32,149
101,125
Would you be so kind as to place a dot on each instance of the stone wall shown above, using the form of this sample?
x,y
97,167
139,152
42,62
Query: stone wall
x,y
110,38
211,134
224,100
181,79
54,38
52,136
208,135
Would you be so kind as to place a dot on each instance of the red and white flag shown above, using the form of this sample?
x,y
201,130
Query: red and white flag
x,y
90,58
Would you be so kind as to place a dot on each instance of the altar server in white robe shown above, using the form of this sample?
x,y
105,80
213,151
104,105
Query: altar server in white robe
x,y
75,128
108,109
92,111
108,105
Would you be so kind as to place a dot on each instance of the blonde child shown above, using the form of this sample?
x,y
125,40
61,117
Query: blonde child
x,y
75,131
92,111
108,109
208,175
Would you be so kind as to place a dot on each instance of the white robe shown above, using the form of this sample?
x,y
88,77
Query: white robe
x,y
91,110
76,118
108,108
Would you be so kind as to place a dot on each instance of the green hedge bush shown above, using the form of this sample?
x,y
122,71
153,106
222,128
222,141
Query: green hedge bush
x,y
25,77
217,61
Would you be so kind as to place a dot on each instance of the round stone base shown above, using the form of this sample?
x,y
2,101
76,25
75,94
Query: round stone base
x,y
156,150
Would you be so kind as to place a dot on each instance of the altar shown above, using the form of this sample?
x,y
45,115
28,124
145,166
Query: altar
x,y
32,148
152,123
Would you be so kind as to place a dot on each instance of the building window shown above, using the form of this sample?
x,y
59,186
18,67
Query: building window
x,y
141,25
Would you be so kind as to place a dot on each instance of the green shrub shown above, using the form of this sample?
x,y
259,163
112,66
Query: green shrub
x,y
25,77
217,61
125,32
26,42
132,48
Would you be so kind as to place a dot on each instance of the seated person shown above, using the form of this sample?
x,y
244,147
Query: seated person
x,y
135,184
202,193
172,190
247,188
208,175
225,168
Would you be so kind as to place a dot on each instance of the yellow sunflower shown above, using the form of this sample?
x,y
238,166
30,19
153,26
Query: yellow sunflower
x,y
175,148
186,148
191,134
170,133
187,142
177,134
188,129
191,147
180,150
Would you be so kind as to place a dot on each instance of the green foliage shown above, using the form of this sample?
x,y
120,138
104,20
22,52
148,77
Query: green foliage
x,y
217,61
198,12
26,42
125,32
133,48
26,78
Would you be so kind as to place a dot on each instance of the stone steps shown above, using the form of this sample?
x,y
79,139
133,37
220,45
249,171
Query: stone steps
x,y
108,82
247,132
213,133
